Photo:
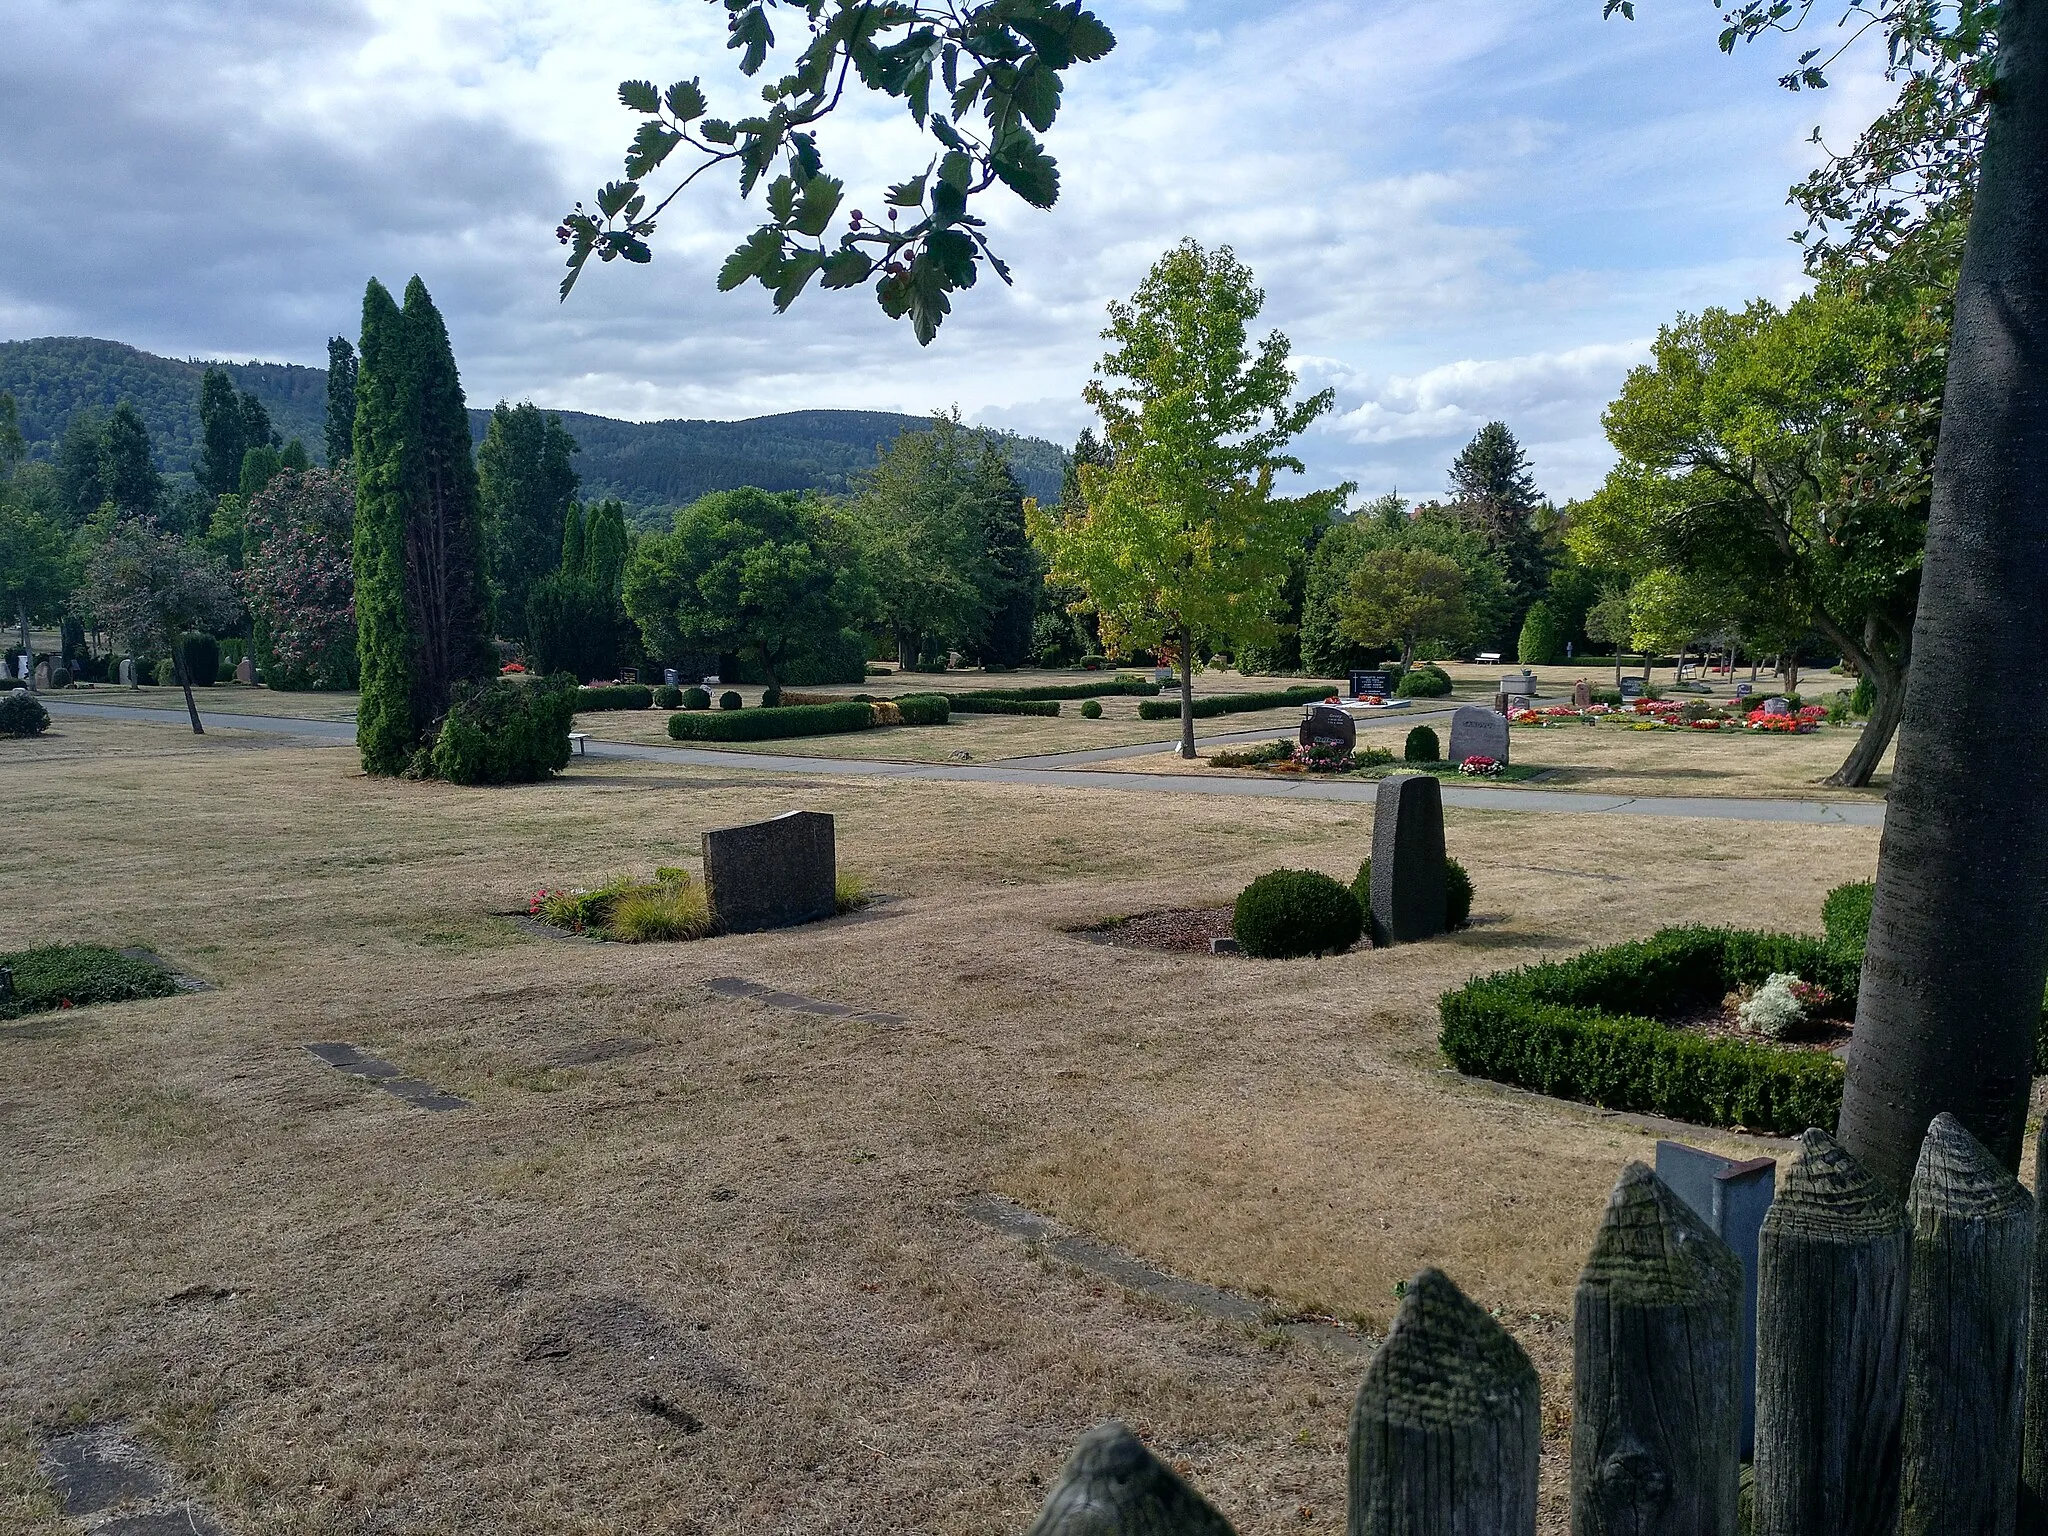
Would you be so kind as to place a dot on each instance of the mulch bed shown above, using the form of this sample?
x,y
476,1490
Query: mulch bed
x,y
1188,930
1720,1021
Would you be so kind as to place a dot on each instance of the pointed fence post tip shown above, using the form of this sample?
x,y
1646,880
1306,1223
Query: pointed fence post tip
x,y
1113,1485
1656,1416
1446,1432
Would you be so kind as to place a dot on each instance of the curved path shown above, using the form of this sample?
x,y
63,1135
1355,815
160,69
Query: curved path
x,y
1066,772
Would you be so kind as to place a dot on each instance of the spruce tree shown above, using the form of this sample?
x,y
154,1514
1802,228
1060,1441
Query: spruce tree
x,y
385,644
222,440
1496,497
341,399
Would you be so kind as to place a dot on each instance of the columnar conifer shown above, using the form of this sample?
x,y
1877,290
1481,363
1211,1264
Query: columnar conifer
x,y
385,731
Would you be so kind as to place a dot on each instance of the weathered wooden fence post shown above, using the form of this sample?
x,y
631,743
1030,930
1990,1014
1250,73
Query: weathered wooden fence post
x,y
2034,1481
1831,1342
1966,1338
1113,1486
1656,1416
1446,1433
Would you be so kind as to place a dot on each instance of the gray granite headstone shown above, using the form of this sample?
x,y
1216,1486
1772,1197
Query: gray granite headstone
x,y
1520,685
42,677
1478,732
1324,722
1582,694
1732,1198
771,874
1777,707
245,672
127,671
1407,895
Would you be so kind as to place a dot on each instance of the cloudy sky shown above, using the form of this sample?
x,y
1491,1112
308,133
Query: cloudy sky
x,y
1459,209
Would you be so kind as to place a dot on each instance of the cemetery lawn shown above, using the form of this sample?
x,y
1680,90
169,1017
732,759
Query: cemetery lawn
x,y
728,1283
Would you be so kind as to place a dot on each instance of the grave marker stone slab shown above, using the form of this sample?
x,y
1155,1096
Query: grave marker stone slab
x,y
1519,685
1327,723
127,671
1732,1198
1477,732
1582,694
771,874
1777,707
1744,690
1371,684
668,676
245,672
1631,688
42,677
1407,895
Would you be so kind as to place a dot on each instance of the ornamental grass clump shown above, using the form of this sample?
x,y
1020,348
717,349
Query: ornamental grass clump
x,y
1295,912
669,907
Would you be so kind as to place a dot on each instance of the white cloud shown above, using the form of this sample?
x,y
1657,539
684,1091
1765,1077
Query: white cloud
x,y
1459,210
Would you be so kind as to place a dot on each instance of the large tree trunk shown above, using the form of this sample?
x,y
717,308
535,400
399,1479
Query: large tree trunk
x,y
1952,978
1187,697
906,650
1888,689
185,682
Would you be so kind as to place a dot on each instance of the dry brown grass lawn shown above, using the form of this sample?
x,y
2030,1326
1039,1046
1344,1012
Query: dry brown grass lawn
x,y
443,1323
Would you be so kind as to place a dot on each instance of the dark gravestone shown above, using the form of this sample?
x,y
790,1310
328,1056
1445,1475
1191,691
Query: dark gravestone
x,y
1478,732
771,874
1326,723
1732,1198
1631,687
1371,684
1407,860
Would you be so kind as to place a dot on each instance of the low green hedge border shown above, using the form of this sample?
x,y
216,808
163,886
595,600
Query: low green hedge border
x,y
924,708
614,696
1233,703
1579,1029
769,724
1038,692
79,975
981,704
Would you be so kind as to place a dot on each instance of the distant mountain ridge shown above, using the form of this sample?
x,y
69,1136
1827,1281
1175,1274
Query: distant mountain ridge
x,y
647,465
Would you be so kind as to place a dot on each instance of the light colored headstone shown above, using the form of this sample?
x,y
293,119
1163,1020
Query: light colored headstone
x,y
711,682
42,676
245,672
1777,707
1477,732
1407,894
21,665
771,874
1582,694
127,671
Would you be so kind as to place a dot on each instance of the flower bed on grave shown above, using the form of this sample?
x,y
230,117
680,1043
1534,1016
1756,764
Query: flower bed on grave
x,y
1606,1027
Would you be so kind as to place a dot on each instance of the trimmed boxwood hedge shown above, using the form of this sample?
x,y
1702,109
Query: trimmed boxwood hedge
x,y
768,724
614,696
1581,1029
982,704
1097,690
1235,703
79,975
924,708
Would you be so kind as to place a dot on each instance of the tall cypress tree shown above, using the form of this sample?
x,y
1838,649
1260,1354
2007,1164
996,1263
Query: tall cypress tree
x,y
223,441
341,399
385,730
572,542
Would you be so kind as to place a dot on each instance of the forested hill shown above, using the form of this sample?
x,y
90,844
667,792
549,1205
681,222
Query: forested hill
x,y
645,464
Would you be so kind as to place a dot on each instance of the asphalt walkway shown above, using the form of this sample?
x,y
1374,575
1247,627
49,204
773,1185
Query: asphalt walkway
x,y
1068,771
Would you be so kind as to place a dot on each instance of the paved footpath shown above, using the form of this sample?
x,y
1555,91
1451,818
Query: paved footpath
x,y
1068,771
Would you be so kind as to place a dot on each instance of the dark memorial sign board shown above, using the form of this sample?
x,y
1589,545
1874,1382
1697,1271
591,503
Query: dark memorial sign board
x,y
1371,684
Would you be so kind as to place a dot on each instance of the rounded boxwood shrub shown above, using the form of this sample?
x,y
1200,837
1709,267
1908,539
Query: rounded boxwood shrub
x,y
771,697
1457,893
696,698
668,696
1293,912
202,659
22,714
1422,746
1426,681
1091,710
924,709
165,674
728,700
60,677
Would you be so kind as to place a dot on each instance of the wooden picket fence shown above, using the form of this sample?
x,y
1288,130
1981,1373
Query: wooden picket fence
x,y
1893,1378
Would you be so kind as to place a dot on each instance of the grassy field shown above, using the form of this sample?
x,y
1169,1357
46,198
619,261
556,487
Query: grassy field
x,y
728,1283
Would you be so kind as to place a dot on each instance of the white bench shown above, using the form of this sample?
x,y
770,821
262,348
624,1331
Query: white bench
x,y
1489,658
576,740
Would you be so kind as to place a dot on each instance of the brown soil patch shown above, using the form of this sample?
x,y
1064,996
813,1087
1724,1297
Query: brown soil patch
x,y
1720,1021
1190,929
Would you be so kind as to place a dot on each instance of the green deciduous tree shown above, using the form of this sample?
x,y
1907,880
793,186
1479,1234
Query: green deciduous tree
x,y
1181,543
1404,596
746,572
1378,531
419,569
148,587
298,578
984,81
527,483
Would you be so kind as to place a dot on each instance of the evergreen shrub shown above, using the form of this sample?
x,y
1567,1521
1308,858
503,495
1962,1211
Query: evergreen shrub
x,y
729,700
980,704
925,708
1587,1028
1426,681
1542,639
1422,746
771,697
696,698
79,975
22,714
1292,912
201,654
165,674
668,696
505,733
1091,709
1108,687
60,677
1233,703
614,696
1457,894
1863,698
768,724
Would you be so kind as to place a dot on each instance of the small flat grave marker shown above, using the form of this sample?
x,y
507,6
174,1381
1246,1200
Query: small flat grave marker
x,y
344,1057
795,1002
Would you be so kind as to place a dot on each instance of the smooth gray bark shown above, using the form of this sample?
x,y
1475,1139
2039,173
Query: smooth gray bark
x,y
1942,1024
1830,1350
1966,1339
1113,1486
1656,1422
1446,1433
1187,696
